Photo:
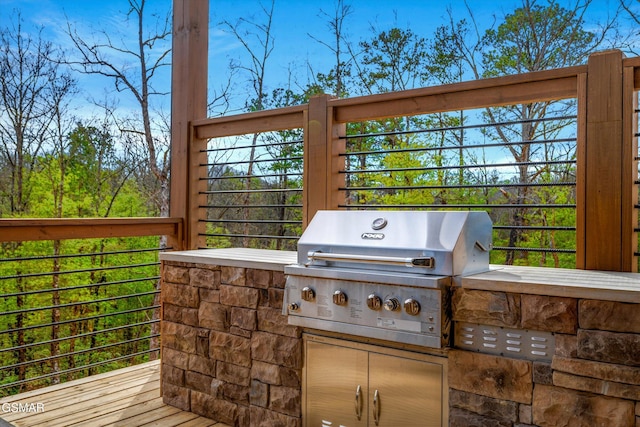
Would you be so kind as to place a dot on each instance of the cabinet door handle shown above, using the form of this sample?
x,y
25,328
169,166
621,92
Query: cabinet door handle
x,y
376,407
359,402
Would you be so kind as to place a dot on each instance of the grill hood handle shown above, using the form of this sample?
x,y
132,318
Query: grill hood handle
x,y
422,262
482,247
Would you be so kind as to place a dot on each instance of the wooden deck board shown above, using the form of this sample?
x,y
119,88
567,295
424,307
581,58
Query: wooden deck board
x,y
127,397
70,400
115,409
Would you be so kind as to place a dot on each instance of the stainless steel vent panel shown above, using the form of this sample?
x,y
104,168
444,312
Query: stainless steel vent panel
x,y
517,343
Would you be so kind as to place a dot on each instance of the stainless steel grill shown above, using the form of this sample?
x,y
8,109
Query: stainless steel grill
x,y
383,274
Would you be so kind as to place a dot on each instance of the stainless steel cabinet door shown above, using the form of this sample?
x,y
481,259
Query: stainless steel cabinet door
x,y
404,392
336,386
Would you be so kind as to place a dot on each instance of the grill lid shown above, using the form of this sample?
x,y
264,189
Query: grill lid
x,y
448,243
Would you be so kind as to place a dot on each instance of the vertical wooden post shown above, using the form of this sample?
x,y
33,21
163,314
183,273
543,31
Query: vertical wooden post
x,y
604,190
322,180
630,171
188,103
581,174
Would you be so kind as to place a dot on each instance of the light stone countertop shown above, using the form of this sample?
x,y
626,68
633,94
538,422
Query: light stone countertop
x,y
561,282
602,285
262,259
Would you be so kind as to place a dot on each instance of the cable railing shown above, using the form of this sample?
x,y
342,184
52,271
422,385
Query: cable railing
x,y
82,304
553,173
69,315
528,186
253,191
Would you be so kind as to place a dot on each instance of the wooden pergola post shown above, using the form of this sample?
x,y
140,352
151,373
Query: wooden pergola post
x,y
322,145
188,103
607,166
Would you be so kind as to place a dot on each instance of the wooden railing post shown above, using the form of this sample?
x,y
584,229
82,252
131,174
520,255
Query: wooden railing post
x,y
322,161
630,167
188,103
606,175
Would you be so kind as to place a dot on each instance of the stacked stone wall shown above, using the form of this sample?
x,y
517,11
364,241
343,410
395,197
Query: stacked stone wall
x,y
227,351
592,380
229,354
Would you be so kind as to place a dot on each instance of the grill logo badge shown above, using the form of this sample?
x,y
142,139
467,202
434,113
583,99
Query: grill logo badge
x,y
379,223
372,236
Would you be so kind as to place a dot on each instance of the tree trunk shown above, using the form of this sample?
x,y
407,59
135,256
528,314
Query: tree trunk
x,y
154,341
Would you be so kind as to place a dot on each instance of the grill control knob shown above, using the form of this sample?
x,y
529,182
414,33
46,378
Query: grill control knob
x,y
339,298
293,306
412,307
308,294
374,302
392,304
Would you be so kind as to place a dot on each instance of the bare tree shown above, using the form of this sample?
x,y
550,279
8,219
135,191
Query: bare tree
x,y
531,38
132,65
634,16
32,83
257,68
59,130
336,22
34,96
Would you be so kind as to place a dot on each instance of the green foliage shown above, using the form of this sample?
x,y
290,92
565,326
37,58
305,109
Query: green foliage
x,y
394,60
106,285
70,302
536,37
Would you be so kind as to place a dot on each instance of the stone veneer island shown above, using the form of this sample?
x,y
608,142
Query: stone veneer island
x,y
229,354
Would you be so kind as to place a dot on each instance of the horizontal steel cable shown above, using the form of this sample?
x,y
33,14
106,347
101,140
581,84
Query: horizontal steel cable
x,y
80,255
81,368
247,147
79,336
462,127
75,288
87,270
88,350
79,303
66,322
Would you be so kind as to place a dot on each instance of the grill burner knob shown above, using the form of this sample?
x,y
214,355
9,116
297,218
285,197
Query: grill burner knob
x,y
293,306
308,294
392,304
412,307
374,302
339,298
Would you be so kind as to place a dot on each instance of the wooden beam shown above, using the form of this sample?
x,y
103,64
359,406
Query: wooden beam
x,y
22,230
605,166
188,103
248,123
530,87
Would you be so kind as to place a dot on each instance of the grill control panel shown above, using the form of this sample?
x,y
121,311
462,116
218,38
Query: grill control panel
x,y
411,315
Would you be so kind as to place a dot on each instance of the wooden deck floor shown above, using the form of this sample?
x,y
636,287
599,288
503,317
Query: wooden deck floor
x,y
126,397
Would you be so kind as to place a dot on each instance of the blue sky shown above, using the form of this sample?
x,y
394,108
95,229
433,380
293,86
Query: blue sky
x,y
294,21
